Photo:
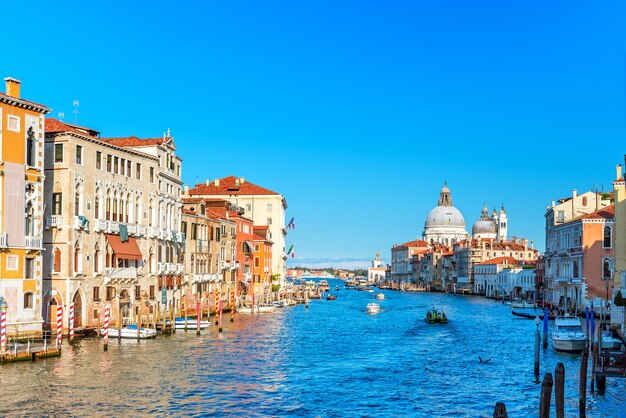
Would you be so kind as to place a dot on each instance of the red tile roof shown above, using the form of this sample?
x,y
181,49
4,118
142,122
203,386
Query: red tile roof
x,y
607,212
133,141
416,243
6,97
188,211
502,260
228,186
52,125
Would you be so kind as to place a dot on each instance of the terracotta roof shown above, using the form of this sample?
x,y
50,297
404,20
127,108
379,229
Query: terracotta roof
x,y
52,125
188,211
416,243
502,260
6,97
607,212
133,141
228,185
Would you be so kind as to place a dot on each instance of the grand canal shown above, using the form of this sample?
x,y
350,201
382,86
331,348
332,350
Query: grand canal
x,y
330,360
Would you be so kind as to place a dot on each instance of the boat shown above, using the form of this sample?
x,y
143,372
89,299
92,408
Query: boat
x,y
436,316
280,304
192,323
257,309
130,331
609,342
380,296
551,316
336,288
323,286
521,304
331,297
526,315
373,308
568,334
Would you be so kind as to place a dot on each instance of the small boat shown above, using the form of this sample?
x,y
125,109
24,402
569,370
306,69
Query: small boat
x,y
526,315
380,296
336,288
257,309
436,316
609,342
521,304
331,297
568,334
373,308
551,316
130,331
323,286
192,323
280,304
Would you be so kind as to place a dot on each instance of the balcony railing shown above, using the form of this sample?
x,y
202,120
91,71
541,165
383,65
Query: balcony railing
x,y
55,221
121,272
99,225
33,243
141,230
153,232
4,240
161,267
113,227
132,229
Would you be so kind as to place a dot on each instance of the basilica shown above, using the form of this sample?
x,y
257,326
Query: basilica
x,y
445,223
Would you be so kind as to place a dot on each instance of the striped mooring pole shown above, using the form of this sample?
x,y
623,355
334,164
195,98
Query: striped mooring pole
x,y
71,324
105,334
59,326
3,331
198,316
232,306
220,317
217,305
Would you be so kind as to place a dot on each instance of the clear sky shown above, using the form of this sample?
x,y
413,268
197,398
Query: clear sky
x,y
355,111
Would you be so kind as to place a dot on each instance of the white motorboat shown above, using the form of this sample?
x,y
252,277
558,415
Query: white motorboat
x,y
192,324
609,342
256,309
130,332
373,308
380,296
280,304
568,334
522,304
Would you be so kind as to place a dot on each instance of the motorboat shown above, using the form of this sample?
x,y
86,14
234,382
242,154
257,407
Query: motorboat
x,y
568,334
436,316
323,286
130,331
380,296
257,309
280,304
527,315
331,297
373,308
517,304
336,288
191,324
610,342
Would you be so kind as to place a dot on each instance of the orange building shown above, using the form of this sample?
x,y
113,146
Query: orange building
x,y
262,267
21,209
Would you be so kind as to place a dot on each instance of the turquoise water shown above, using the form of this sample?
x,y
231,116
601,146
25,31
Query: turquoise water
x,y
331,360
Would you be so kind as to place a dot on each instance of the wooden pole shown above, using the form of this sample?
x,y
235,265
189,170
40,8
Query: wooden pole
x,y
198,317
119,321
559,390
546,393
537,360
500,411
594,359
185,316
582,388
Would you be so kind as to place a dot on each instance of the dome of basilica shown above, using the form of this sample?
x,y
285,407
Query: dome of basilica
x,y
444,223
444,216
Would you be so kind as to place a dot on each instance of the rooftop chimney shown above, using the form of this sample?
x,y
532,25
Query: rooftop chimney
x,y
186,190
13,87
217,182
618,172
574,195
207,182
242,180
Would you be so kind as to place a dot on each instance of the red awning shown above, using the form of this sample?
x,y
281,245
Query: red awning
x,y
128,250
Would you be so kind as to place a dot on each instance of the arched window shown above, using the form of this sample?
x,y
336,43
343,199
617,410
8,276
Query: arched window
x,y
96,204
96,259
31,143
585,201
57,260
28,300
137,211
77,260
30,220
109,203
606,268
606,237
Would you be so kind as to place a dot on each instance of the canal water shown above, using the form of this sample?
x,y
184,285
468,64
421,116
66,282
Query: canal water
x,y
330,360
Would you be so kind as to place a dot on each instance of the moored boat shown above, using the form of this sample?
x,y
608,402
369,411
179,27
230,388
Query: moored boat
x,y
373,308
436,316
568,334
191,324
256,309
610,342
323,286
526,315
130,331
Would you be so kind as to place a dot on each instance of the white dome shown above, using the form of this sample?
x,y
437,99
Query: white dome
x,y
484,226
444,216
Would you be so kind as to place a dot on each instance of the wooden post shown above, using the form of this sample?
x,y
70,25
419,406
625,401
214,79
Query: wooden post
x,y
594,359
546,393
537,360
559,390
137,322
119,321
500,411
198,316
582,388
185,316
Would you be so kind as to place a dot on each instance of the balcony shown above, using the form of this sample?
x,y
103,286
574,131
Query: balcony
x,y
99,225
180,268
55,221
153,232
141,230
132,229
4,240
113,227
33,243
121,273
161,268
80,222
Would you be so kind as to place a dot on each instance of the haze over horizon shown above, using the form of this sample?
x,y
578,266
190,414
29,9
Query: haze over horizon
x,y
355,112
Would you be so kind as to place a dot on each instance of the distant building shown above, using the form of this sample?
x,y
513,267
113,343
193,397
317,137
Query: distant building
x,y
376,273
401,255
444,223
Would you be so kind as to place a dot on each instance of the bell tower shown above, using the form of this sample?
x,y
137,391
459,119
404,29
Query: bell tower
x,y
445,198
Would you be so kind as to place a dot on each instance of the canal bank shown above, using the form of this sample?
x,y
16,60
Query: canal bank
x,y
329,360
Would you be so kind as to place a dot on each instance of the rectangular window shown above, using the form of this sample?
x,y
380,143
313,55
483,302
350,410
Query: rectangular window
x,y
151,174
109,159
257,247
137,292
269,221
183,227
29,268
96,293
79,155
269,207
110,293
257,262
12,262
58,153
116,165
99,160
129,172
57,204
123,166
248,207
13,124
138,171
152,291
194,231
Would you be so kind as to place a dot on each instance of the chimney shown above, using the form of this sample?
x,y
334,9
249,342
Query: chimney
x,y
217,182
242,180
574,195
13,87
618,172
525,242
186,190
207,182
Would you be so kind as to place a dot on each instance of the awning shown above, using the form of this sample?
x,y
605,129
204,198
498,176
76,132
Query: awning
x,y
250,245
128,250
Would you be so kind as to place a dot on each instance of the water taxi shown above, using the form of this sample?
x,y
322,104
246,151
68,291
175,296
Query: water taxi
x,y
373,308
380,296
568,334
436,316
323,286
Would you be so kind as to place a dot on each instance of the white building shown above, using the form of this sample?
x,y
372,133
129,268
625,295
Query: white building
x,y
376,273
494,227
444,223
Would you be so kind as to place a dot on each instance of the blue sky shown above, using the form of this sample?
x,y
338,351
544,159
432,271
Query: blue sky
x,y
355,111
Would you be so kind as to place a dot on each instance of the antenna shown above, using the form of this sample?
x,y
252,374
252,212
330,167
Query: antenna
x,y
61,116
75,103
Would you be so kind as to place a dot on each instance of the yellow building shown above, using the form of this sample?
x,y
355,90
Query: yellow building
x,y
619,186
21,208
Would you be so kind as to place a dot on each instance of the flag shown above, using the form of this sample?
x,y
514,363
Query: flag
x,y
290,249
292,223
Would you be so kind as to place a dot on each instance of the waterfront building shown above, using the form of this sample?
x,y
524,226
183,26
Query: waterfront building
x,y
486,281
619,232
579,249
112,234
444,223
430,268
540,272
21,209
261,205
401,255
226,235
376,272
262,265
